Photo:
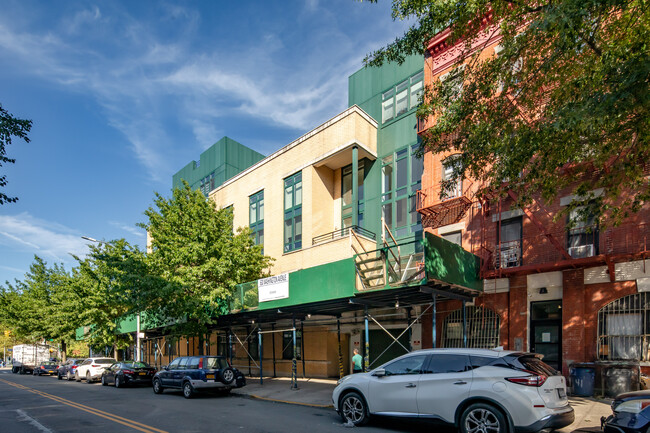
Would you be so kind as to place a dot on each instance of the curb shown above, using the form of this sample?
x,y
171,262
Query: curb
x,y
274,400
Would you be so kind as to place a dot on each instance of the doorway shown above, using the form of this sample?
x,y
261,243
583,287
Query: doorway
x,y
546,331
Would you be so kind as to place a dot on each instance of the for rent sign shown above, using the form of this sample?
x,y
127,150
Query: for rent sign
x,y
272,288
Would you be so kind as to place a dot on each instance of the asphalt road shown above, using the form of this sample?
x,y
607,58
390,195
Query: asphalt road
x,y
32,404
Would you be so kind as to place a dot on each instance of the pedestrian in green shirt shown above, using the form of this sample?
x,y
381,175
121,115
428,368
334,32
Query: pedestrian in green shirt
x,y
357,360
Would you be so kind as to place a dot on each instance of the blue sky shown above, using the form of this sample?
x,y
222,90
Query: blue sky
x,y
124,93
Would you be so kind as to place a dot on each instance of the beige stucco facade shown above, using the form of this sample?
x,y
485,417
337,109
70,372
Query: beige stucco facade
x,y
319,155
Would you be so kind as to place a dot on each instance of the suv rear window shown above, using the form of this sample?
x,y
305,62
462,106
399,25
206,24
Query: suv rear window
x,y
105,361
214,363
536,365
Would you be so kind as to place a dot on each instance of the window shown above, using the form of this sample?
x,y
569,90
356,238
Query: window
x,y
287,345
509,243
449,363
454,237
207,184
407,365
624,329
293,212
403,97
182,365
256,217
401,178
174,363
454,81
450,189
582,234
193,362
346,193
482,325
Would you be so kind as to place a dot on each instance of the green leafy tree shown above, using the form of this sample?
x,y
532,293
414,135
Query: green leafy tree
x,y
564,104
31,308
195,250
107,284
10,127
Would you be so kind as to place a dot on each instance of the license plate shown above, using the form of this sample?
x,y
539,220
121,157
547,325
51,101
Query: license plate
x,y
561,392
142,373
209,376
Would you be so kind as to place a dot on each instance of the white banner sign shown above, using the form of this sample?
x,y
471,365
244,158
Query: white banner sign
x,y
272,288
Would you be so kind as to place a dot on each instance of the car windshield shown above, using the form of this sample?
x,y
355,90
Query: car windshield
x,y
104,361
213,363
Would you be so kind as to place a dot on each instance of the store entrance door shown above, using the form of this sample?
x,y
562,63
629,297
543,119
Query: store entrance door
x,y
546,331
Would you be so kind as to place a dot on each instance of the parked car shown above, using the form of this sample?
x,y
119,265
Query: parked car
x,y
631,413
475,390
48,368
91,369
195,373
67,370
127,373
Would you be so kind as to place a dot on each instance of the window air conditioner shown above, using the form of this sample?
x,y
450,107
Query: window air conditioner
x,y
510,256
582,251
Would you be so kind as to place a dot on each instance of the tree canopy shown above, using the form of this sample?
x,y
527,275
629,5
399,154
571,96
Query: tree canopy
x,y
564,104
199,255
10,127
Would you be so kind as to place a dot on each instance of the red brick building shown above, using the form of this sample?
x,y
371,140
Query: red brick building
x,y
573,294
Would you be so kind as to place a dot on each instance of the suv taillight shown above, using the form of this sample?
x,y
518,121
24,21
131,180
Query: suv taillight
x,y
93,365
201,363
42,367
532,380
74,366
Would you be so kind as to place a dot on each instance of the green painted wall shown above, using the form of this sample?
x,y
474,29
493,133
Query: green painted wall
x,y
448,262
365,89
226,158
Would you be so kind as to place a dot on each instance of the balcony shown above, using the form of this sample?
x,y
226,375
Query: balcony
x,y
343,233
584,246
437,212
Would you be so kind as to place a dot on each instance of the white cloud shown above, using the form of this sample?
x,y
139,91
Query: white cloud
x,y
132,230
24,233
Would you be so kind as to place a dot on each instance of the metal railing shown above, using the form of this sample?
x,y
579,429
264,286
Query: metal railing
x,y
342,233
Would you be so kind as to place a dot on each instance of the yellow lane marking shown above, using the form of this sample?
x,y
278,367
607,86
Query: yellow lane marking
x,y
112,417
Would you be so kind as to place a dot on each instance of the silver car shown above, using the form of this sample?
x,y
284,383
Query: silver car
x,y
475,390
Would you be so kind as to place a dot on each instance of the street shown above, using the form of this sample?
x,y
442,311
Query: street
x,y
30,404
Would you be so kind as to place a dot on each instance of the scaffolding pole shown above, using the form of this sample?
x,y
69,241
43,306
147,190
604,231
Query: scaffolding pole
x,y
302,346
366,347
273,342
433,322
338,332
294,364
261,353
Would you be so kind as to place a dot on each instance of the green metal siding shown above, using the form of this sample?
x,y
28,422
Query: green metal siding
x,y
319,283
450,263
226,158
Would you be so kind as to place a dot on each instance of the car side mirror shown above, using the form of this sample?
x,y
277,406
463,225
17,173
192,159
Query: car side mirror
x,y
166,367
380,372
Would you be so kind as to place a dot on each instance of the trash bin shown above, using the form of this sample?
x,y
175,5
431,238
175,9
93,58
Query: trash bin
x,y
620,378
582,378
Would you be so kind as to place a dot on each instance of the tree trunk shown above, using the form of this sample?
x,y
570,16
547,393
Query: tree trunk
x,y
63,351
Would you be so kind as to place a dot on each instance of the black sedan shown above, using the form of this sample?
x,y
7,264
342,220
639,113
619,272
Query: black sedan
x,y
128,372
631,413
48,368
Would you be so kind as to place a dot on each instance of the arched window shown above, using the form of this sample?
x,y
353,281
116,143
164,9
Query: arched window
x,y
624,328
482,328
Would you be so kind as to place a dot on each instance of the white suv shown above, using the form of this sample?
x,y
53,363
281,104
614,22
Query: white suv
x,y
92,368
475,390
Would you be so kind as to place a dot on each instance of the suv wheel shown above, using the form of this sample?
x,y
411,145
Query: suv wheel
x,y
69,375
104,383
227,376
482,418
118,382
188,391
353,409
58,376
77,376
157,387
88,379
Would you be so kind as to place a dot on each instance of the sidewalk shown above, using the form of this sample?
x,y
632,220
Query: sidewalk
x,y
318,393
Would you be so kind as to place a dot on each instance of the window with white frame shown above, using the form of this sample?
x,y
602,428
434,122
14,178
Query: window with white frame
x,y
582,233
403,97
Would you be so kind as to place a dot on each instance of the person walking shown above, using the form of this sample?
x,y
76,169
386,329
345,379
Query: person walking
x,y
357,361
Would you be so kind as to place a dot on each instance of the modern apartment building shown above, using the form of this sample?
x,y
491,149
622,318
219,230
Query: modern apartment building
x,y
572,292
336,209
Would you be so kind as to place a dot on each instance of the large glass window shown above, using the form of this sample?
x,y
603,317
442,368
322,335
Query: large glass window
x,y
409,365
401,178
287,345
403,97
293,212
256,217
346,192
